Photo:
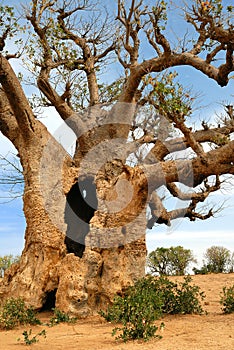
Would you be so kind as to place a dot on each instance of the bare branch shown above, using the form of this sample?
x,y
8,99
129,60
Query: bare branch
x,y
131,22
160,215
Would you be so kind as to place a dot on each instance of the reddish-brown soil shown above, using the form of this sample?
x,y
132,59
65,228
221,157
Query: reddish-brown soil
x,y
188,332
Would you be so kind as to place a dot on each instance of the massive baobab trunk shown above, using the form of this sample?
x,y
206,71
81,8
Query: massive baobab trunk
x,y
87,213
72,259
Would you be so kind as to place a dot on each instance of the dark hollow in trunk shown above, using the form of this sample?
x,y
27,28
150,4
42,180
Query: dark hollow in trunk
x,y
80,207
50,301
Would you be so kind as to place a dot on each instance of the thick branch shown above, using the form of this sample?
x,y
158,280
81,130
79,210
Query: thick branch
x,y
17,99
192,172
217,136
158,212
43,79
160,215
8,123
64,110
220,75
131,22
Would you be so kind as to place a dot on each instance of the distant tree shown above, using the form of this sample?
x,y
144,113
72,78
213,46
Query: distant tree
x,y
6,261
217,259
170,261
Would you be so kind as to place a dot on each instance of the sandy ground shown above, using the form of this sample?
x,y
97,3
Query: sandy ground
x,y
193,332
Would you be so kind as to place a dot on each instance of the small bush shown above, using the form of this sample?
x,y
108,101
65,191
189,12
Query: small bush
x,y
34,339
179,298
136,310
60,317
166,290
188,298
204,270
147,301
14,312
227,300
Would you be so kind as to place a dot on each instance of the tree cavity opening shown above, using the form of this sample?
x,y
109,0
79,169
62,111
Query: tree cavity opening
x,y
80,207
50,300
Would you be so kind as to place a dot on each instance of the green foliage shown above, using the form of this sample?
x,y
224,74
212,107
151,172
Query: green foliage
x,y
34,339
136,311
14,312
111,92
179,298
187,298
227,300
8,21
170,261
147,301
10,27
217,259
6,261
60,317
169,96
159,13
204,270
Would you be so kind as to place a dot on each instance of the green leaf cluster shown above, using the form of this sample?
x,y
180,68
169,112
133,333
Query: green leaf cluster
x,y
147,301
8,21
160,14
9,27
170,261
14,312
60,317
169,96
34,339
227,300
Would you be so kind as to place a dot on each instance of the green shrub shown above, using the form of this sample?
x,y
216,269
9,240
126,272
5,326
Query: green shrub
x,y
204,270
188,298
166,290
34,339
136,310
179,298
15,312
227,300
147,301
60,317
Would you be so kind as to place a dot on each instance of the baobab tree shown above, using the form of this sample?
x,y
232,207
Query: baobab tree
x,y
87,211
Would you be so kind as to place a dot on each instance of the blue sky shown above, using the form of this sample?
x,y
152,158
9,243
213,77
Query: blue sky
x,y
197,235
